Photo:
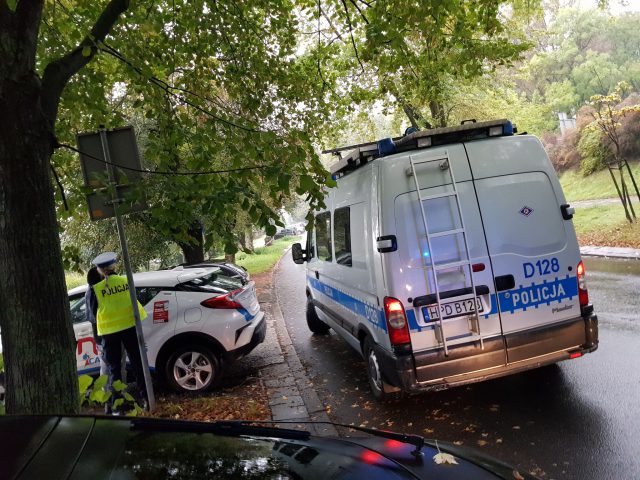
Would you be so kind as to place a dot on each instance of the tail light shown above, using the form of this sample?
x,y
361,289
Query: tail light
x,y
222,301
396,321
583,294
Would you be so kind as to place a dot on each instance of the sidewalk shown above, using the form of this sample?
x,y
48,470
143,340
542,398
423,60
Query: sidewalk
x,y
291,395
610,252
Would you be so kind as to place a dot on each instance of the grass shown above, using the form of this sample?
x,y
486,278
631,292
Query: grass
x,y
74,279
606,225
595,186
266,257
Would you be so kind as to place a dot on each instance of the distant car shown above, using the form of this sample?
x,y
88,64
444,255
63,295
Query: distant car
x,y
285,232
199,319
121,447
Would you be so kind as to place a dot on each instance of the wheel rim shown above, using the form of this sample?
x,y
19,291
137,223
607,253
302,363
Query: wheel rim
x,y
192,371
374,370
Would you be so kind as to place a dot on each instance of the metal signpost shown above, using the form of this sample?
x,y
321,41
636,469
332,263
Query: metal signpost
x,y
122,143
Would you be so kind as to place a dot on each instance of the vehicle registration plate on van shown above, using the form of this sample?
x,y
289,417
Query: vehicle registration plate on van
x,y
452,309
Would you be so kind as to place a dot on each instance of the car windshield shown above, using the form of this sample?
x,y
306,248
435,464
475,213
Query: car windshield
x,y
215,281
78,308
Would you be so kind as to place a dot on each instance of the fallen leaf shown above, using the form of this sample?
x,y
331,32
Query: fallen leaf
x,y
444,459
516,427
458,442
482,443
498,440
517,476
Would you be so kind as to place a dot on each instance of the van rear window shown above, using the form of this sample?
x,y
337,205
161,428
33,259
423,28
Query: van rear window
x,y
215,282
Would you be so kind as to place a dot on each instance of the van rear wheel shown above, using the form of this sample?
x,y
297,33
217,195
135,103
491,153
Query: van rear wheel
x,y
313,321
374,374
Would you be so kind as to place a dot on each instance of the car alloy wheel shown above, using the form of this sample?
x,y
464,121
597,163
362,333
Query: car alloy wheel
x,y
193,369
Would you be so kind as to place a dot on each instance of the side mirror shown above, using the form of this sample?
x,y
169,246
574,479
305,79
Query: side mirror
x,y
298,253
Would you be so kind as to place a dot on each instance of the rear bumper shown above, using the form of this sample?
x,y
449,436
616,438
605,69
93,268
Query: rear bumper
x,y
503,355
257,337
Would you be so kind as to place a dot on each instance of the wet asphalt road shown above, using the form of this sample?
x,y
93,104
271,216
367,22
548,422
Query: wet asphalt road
x,y
576,420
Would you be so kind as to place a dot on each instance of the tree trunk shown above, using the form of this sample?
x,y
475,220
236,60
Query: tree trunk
x,y
37,336
193,251
438,114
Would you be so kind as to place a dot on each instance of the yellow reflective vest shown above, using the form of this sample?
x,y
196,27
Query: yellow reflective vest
x,y
114,305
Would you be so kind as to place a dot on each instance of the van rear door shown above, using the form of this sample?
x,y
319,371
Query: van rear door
x,y
534,252
410,275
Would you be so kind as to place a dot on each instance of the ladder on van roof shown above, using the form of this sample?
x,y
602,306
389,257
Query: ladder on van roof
x,y
464,263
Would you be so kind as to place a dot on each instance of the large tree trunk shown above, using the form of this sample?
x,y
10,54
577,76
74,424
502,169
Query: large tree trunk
x,y
193,251
37,336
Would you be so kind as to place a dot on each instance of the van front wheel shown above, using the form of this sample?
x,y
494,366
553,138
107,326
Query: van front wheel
x,y
313,321
374,374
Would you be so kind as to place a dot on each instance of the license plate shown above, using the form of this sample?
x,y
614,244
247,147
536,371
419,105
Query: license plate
x,y
452,309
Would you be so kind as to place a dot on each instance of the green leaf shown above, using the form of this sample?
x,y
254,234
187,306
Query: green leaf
x,y
128,397
101,381
306,183
84,382
270,230
86,51
100,396
118,403
12,4
119,385
330,182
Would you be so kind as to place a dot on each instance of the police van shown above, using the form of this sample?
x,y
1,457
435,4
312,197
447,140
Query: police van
x,y
448,256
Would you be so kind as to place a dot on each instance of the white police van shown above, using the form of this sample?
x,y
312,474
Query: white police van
x,y
448,256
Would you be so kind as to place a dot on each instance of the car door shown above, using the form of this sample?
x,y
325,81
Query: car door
x,y
160,324
87,357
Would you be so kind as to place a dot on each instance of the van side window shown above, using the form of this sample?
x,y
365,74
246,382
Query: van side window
x,y
311,245
323,236
342,235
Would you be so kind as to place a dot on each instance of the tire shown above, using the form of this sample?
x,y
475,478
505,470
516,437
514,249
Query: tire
x,y
313,322
192,369
374,375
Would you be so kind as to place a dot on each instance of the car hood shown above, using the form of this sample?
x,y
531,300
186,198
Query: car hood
x,y
107,447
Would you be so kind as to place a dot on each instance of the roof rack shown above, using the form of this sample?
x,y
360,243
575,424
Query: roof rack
x,y
363,153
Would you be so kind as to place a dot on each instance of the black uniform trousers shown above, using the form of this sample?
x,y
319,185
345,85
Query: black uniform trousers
x,y
112,344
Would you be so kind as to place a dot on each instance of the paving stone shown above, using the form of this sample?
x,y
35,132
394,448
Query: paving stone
x,y
285,412
291,401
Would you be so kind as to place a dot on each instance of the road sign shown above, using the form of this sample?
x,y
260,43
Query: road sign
x,y
125,159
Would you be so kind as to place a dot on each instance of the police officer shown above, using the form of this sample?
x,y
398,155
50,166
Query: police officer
x,y
91,309
115,321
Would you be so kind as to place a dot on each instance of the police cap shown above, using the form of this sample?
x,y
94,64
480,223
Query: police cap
x,y
105,259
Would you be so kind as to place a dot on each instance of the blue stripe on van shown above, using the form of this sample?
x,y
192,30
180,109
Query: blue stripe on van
x,y
534,295
373,313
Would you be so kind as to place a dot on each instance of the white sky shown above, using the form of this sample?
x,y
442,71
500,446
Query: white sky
x,y
616,7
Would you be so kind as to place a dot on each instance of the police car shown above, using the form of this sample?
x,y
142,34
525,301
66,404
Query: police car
x,y
198,319
448,256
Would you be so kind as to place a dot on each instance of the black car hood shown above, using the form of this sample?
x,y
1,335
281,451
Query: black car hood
x,y
105,447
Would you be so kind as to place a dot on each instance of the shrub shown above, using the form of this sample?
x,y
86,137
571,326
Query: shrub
x,y
562,149
593,149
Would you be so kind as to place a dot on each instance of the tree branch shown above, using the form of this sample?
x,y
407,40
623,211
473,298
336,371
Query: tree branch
x,y
58,73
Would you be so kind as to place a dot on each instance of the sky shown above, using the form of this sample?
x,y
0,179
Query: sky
x,y
616,7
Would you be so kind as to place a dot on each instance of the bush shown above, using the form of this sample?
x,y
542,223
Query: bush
x,y
561,149
595,152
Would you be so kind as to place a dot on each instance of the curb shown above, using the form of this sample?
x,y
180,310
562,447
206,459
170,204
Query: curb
x,y
292,396
610,252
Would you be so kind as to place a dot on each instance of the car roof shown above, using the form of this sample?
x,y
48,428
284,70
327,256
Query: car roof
x,y
160,278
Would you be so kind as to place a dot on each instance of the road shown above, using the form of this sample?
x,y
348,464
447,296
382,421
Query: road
x,y
579,419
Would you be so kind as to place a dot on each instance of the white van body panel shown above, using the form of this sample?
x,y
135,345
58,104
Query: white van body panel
x,y
521,248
